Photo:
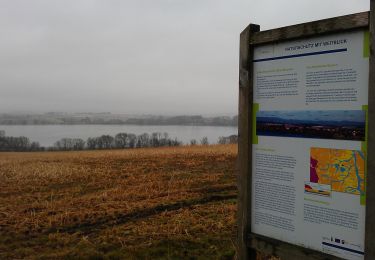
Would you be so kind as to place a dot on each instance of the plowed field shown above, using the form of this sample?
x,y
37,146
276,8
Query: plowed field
x,y
176,203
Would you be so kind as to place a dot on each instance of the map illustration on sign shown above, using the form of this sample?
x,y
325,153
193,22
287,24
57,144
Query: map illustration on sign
x,y
343,170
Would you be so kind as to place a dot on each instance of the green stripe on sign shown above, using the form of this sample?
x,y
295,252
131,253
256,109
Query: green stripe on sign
x,y
254,135
366,44
364,150
317,201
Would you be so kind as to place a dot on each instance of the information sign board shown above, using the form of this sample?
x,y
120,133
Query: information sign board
x,y
309,144
306,140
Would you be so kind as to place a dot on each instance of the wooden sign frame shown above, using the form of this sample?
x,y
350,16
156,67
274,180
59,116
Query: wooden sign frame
x,y
248,242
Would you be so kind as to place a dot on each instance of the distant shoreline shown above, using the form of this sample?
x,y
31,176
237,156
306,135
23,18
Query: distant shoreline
x,y
93,124
109,119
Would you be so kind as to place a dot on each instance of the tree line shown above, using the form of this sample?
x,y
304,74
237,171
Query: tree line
x,y
21,143
119,141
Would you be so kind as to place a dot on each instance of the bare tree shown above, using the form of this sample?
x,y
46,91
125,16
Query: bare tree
x,y
193,142
222,140
35,146
121,140
78,144
106,142
204,141
154,139
132,140
91,143
143,140
232,139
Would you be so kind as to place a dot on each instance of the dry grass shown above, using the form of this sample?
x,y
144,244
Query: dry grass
x,y
144,203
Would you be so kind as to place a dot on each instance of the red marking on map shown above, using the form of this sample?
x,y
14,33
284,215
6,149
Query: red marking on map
x,y
313,174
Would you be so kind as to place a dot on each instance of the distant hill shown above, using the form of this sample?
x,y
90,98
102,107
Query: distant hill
x,y
113,119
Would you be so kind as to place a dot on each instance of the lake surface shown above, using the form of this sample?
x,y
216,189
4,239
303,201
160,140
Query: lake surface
x,y
47,135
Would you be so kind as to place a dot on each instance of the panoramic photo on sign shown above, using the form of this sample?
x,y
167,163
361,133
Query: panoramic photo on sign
x,y
309,142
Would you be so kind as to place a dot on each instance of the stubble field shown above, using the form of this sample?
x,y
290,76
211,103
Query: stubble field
x,y
168,203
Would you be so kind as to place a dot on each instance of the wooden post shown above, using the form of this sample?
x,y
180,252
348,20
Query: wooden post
x,y
370,180
245,141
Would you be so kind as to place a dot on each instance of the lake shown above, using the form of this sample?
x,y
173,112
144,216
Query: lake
x,y
47,135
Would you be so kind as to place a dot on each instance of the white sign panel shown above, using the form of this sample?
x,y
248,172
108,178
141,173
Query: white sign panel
x,y
309,151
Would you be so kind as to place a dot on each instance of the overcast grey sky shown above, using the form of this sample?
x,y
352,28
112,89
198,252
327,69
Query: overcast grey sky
x,y
135,56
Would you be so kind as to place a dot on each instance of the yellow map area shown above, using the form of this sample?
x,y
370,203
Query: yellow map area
x,y
344,170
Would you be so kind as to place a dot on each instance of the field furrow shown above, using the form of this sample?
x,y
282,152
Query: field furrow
x,y
176,203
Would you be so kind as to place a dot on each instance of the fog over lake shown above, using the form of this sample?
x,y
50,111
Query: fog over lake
x,y
47,135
